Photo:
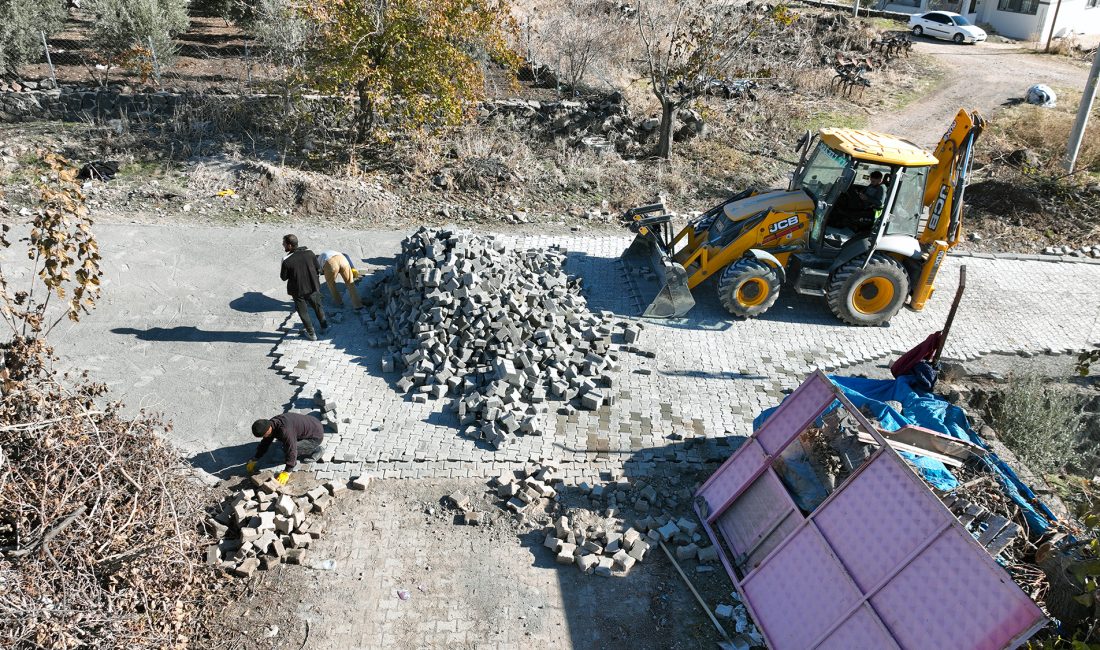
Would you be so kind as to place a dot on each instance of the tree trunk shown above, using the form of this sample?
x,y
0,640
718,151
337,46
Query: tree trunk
x,y
366,113
668,122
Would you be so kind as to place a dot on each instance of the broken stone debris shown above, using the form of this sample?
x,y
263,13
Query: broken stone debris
x,y
501,330
260,526
611,548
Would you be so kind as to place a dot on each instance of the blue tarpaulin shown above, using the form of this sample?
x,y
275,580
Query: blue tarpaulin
x,y
931,412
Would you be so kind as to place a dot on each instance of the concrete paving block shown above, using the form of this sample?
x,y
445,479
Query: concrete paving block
x,y
638,550
246,567
359,483
687,552
708,555
603,568
587,563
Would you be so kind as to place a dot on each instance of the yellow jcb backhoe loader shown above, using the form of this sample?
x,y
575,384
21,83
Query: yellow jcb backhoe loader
x,y
819,235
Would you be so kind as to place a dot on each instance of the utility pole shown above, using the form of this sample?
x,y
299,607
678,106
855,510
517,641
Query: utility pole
x,y
1050,36
1075,136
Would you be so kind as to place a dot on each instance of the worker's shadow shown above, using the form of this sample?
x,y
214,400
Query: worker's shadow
x,y
254,302
192,334
228,462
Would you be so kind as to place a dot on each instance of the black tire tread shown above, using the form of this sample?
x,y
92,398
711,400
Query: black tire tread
x,y
731,277
837,291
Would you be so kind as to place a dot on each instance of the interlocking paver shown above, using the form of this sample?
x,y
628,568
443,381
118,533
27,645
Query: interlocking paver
x,y
710,375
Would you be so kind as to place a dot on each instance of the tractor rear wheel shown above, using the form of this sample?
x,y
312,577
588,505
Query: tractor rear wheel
x,y
748,287
870,295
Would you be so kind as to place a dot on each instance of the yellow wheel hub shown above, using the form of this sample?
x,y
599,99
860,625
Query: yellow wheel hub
x,y
752,292
873,295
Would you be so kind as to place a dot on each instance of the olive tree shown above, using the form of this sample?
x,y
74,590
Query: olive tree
x,y
22,23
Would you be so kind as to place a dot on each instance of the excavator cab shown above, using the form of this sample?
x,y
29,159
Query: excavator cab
x,y
805,236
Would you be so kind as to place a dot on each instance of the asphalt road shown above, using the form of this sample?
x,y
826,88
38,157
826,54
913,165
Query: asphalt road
x,y
187,320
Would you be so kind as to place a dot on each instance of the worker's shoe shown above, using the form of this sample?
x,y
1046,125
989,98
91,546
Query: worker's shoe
x,y
324,327
315,457
309,335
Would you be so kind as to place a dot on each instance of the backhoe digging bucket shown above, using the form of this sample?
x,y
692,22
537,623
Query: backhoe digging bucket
x,y
673,298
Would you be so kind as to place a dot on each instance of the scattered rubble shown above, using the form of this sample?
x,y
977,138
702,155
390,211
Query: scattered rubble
x,y
261,526
503,330
596,535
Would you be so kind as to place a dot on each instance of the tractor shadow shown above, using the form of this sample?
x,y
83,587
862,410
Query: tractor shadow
x,y
610,284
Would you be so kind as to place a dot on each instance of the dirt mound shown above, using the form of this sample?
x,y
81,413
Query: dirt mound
x,y
303,193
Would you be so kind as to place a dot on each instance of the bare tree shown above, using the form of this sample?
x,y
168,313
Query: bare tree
x,y
580,37
686,46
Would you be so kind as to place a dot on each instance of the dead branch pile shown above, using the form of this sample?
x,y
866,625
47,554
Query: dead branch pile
x,y
98,536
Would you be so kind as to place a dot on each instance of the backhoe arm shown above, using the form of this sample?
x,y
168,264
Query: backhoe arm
x,y
947,180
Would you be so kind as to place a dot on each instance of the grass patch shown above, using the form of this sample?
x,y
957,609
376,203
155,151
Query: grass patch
x,y
854,118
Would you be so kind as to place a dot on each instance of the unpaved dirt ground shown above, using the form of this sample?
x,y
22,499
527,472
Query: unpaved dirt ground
x,y
982,77
406,575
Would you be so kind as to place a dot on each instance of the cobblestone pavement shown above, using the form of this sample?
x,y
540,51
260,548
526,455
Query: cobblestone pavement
x,y
709,378
489,586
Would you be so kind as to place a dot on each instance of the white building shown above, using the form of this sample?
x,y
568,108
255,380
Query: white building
x,y
1024,20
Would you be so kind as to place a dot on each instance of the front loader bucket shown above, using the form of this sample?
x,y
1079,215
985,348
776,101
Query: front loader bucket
x,y
673,298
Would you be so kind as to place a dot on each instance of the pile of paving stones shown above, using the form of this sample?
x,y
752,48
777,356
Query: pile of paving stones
x,y
263,526
502,330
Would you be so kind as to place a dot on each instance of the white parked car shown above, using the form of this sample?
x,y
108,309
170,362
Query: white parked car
x,y
946,25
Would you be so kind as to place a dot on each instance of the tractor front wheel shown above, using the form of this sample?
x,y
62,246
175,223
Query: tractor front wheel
x,y
748,287
868,295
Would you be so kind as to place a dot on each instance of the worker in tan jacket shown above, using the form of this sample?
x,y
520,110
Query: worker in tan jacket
x,y
333,263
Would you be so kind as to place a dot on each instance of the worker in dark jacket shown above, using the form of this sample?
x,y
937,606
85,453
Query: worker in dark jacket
x,y
301,435
300,270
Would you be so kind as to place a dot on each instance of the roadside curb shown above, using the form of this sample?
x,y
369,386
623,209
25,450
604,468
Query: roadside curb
x,y
1025,257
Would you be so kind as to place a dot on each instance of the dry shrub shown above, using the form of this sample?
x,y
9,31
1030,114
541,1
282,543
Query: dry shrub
x,y
1046,131
1038,420
99,541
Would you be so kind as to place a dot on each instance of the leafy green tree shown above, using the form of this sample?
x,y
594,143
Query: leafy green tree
x,y
412,63
22,23
126,30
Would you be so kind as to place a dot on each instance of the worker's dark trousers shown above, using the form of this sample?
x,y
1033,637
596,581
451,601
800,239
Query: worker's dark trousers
x,y
313,300
309,450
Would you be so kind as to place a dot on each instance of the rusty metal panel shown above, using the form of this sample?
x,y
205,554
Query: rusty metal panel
x,y
860,630
796,413
881,563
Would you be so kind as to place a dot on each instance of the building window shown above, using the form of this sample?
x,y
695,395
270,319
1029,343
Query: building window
x,y
1020,6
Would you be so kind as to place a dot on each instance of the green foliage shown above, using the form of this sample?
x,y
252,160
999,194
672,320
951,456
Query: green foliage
x,y
126,29
21,25
1038,421
1085,361
281,30
414,63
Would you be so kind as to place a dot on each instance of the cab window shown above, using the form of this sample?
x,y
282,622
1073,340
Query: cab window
x,y
824,168
908,203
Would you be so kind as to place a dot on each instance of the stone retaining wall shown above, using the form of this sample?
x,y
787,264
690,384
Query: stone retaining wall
x,y
100,104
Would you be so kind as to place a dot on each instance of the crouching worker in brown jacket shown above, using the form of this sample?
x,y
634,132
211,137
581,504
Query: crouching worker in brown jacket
x,y
301,436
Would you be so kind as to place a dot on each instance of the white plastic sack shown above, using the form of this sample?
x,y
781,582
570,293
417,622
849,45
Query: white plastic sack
x,y
1041,95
